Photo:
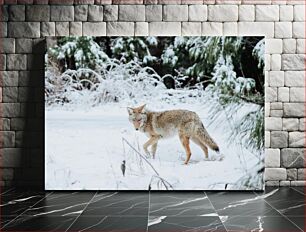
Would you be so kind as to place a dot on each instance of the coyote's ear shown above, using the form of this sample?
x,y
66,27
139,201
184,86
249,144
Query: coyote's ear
x,y
142,108
130,110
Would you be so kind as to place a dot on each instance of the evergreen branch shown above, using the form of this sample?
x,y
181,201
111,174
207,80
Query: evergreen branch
x,y
257,101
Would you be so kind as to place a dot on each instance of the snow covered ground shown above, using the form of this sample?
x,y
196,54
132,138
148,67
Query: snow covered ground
x,y
85,150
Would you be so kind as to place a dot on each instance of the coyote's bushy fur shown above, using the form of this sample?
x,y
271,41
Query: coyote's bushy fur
x,y
157,125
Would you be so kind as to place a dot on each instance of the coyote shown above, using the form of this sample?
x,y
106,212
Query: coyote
x,y
157,125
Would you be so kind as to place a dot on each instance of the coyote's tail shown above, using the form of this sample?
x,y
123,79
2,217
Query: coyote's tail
x,y
205,138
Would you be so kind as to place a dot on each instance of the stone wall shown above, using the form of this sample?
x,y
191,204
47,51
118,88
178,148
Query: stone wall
x,y
25,23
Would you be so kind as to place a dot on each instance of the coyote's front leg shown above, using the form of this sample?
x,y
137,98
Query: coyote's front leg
x,y
151,142
154,147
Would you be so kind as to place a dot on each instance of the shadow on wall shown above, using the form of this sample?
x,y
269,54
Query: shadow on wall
x,y
31,139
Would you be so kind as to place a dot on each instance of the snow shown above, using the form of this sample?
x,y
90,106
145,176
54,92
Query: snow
x,y
152,40
169,56
259,51
84,150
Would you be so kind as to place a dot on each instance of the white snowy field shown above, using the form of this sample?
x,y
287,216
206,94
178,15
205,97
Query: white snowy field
x,y
85,150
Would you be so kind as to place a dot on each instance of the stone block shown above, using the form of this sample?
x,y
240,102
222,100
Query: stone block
x,y
8,139
47,29
197,13
131,13
81,12
95,13
141,29
283,30
276,106
277,113
246,13
272,183
75,29
111,13
165,28
300,46
2,61
120,29
267,13
276,62
94,28
293,61
289,46
301,174
302,125
299,13
295,78
154,13
62,13
230,29
298,30
286,13
277,78
284,183
212,29
38,13
11,109
17,13
271,94
24,29
18,124
297,183
222,13
8,78
283,94
294,110
273,174
191,28
175,13
272,123
292,174
296,139
165,2
148,2
293,157
105,2
129,2
290,124
272,158
84,2
279,139
24,45
11,157
4,14
62,28
256,29
8,45
9,94
60,2
16,62
297,94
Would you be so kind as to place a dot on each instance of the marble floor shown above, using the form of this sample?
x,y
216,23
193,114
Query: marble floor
x,y
275,210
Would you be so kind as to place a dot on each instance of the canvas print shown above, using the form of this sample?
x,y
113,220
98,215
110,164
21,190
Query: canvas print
x,y
154,113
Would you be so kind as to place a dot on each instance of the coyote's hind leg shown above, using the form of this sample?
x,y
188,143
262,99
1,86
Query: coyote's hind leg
x,y
185,141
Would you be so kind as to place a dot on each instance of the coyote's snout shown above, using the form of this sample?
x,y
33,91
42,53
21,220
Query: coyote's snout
x,y
157,125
